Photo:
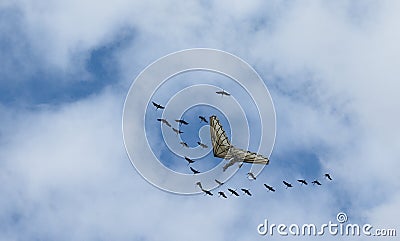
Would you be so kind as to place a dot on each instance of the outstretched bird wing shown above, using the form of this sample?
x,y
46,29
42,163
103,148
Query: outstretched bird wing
x,y
222,147
219,140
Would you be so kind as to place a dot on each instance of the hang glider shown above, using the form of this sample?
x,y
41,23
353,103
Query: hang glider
x,y
222,147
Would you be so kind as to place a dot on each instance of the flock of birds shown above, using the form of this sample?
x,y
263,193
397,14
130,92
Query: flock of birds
x,y
183,122
250,175
178,131
247,192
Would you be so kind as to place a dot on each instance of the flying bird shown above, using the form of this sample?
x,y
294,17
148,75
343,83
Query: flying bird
x,y
251,175
184,144
158,106
302,181
219,182
199,184
194,170
207,192
287,184
233,192
203,119
190,161
246,191
202,145
316,182
222,93
182,121
177,131
222,194
328,176
165,122
269,188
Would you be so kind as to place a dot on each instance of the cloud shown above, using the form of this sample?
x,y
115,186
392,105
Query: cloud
x,y
68,174
350,63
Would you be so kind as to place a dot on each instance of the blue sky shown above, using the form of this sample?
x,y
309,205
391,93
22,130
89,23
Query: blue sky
x,y
66,67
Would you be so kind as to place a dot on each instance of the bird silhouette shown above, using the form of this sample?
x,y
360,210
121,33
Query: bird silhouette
x,y
165,122
219,182
184,144
287,184
182,121
207,192
316,182
251,175
194,170
158,106
177,131
246,191
222,194
222,93
199,184
202,145
203,119
269,187
190,161
302,181
233,192
328,176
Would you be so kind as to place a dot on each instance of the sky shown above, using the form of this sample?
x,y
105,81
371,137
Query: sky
x,y
331,68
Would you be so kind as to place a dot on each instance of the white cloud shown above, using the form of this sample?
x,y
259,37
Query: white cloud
x,y
352,63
